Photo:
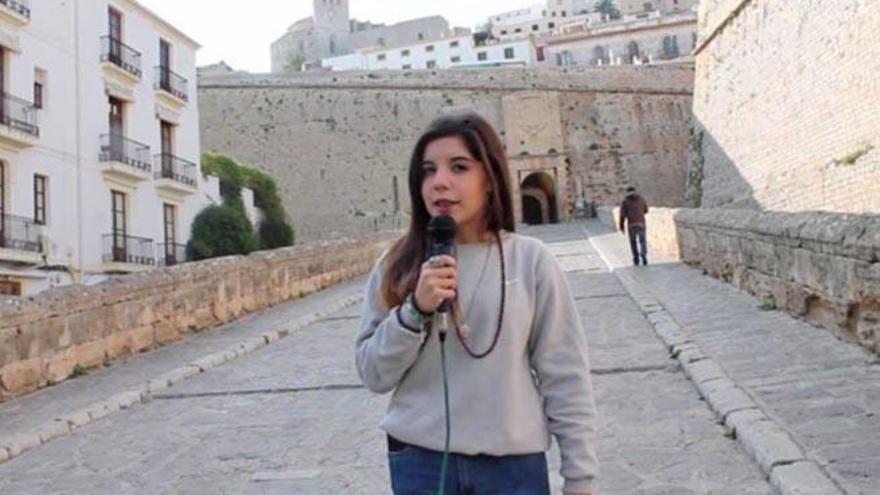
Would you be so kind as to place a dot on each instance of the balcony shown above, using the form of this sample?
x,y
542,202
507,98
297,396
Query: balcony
x,y
171,87
171,254
120,59
175,176
15,12
18,122
124,160
21,240
125,253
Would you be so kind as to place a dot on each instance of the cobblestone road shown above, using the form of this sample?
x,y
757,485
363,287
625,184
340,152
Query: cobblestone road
x,y
292,417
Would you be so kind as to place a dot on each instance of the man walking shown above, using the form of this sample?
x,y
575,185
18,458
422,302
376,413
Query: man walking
x,y
632,211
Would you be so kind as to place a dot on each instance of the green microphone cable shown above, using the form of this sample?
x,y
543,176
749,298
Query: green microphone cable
x,y
442,489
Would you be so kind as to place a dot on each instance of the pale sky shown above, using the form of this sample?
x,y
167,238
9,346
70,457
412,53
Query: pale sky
x,y
240,33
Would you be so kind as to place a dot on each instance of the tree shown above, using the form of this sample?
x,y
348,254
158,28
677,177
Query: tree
x,y
607,8
295,62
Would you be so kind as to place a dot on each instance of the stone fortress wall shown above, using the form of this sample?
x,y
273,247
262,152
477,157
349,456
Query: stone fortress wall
x,y
822,267
787,105
44,338
338,144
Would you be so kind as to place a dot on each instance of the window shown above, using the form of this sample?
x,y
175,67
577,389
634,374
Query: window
x,y
517,30
670,46
381,41
119,228
406,67
396,193
539,51
599,55
169,214
404,53
429,48
114,19
10,288
535,27
380,57
482,56
2,203
40,199
508,53
421,36
455,59
633,50
431,64
551,25
563,13
453,44
39,88
503,32
38,95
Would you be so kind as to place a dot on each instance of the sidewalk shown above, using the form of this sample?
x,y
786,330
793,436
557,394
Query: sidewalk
x,y
56,411
804,403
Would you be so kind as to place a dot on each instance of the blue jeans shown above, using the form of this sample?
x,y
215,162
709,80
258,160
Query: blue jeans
x,y
637,235
416,471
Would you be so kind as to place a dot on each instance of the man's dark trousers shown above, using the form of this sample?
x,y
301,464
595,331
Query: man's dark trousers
x,y
637,235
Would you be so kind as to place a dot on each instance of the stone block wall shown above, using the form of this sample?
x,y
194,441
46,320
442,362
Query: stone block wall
x,y
339,144
787,105
45,337
822,267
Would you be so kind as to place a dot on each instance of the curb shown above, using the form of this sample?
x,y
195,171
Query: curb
x,y
15,445
772,448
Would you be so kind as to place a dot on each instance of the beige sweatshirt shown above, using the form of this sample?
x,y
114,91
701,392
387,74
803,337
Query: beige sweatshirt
x,y
535,383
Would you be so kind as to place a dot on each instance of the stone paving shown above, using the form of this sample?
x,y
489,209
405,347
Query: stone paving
x,y
291,417
825,393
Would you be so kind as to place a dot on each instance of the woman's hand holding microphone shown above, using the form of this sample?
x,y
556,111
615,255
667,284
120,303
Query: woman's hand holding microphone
x,y
438,281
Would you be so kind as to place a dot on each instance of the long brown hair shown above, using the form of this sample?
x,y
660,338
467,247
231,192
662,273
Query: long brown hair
x,y
404,260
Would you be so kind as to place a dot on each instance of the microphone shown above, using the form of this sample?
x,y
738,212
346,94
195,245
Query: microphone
x,y
441,232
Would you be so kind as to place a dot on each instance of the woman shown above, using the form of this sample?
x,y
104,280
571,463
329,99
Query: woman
x,y
516,360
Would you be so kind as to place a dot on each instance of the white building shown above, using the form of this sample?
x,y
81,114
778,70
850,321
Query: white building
x,y
635,39
533,13
99,142
444,53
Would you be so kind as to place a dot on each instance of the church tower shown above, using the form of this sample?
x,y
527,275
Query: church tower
x,y
332,15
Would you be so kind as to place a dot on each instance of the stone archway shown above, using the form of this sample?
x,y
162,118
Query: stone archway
x,y
539,203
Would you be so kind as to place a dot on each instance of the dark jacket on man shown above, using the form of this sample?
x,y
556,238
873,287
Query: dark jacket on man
x,y
633,210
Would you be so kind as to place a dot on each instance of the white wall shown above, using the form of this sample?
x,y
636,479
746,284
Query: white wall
x,y
442,54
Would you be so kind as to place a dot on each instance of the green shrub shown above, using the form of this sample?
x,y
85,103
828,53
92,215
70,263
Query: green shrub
x,y
220,231
231,176
275,233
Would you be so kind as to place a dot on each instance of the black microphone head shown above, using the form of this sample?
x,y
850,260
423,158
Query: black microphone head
x,y
442,228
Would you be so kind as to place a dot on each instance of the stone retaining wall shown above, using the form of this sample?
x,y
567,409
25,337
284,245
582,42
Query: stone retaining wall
x,y
822,267
45,337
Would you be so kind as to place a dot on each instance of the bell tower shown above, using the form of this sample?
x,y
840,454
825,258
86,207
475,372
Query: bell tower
x,y
332,15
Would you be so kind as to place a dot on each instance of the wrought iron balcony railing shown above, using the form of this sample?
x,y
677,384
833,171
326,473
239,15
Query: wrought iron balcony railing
x,y
23,7
123,248
20,234
168,80
171,254
176,169
18,114
120,54
118,148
